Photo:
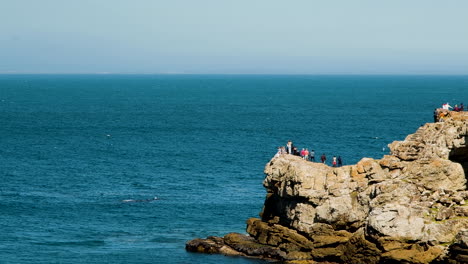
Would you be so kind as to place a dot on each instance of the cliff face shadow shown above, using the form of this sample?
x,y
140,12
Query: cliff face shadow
x,y
460,155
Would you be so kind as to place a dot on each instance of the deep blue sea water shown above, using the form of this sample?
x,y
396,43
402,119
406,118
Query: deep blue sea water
x,y
73,148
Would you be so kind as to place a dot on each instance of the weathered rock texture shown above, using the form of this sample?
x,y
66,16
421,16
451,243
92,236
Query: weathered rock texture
x,y
408,207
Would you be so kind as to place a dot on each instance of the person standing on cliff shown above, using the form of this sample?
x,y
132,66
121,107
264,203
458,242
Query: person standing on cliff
x,y
441,117
334,161
296,152
306,154
289,147
303,153
278,153
323,158
340,162
312,155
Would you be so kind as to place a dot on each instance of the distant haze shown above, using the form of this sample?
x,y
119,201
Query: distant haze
x,y
234,37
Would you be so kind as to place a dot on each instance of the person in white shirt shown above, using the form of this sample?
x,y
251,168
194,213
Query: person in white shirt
x,y
446,106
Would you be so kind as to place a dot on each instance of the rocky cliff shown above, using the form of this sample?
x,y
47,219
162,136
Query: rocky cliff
x,y
408,207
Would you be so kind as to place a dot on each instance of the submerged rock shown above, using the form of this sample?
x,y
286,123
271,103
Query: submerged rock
x,y
408,207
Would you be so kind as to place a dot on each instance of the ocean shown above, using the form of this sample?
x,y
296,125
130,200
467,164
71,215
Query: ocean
x,y
83,157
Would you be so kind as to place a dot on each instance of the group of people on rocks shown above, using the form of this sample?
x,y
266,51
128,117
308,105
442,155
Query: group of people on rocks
x,y
457,108
460,108
306,154
441,114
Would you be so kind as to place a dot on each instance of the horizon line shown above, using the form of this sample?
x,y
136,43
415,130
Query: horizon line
x,y
253,74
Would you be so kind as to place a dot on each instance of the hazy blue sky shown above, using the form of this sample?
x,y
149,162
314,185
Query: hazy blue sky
x,y
235,36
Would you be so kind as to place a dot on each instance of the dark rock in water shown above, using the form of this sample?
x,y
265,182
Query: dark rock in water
x,y
248,246
210,245
234,244
408,207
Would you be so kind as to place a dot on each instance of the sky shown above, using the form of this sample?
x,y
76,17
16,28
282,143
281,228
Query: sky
x,y
234,37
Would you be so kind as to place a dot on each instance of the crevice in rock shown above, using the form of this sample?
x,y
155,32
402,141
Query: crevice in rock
x,y
460,155
275,207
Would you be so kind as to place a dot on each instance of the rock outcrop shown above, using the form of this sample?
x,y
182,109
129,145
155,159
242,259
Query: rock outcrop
x,y
408,207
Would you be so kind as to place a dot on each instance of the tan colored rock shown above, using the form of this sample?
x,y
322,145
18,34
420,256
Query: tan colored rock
x,y
389,244
390,162
342,211
327,253
359,250
276,235
444,232
302,262
393,196
371,168
461,211
433,140
415,254
445,213
407,207
395,220
298,256
329,241
437,174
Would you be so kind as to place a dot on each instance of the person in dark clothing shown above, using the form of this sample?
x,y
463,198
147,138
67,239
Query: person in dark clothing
x,y
296,152
436,115
323,158
462,107
340,162
293,149
312,155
